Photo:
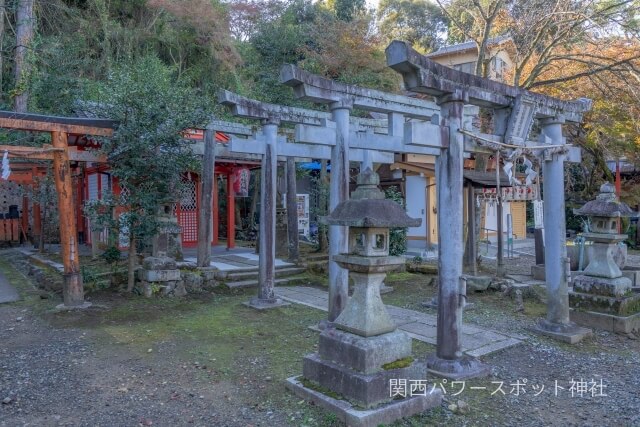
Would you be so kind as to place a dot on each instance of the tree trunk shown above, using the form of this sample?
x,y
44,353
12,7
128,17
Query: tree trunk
x,y
24,37
132,262
2,17
323,243
292,209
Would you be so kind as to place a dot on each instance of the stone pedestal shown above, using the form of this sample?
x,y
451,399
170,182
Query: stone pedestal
x,y
161,274
362,372
608,304
602,255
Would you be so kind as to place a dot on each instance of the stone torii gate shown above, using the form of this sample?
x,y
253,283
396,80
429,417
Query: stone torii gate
x,y
268,144
421,134
514,112
209,150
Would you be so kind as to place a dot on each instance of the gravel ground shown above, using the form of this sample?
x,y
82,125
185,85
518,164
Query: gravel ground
x,y
66,371
69,377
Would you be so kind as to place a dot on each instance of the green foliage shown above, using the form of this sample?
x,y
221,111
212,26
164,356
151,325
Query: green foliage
x,y
419,22
573,222
347,10
147,152
397,236
111,255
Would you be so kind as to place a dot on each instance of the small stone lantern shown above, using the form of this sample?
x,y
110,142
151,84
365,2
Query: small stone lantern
x,y
602,298
361,354
604,214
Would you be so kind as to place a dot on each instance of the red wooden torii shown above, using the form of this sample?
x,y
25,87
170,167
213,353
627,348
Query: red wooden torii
x,y
60,128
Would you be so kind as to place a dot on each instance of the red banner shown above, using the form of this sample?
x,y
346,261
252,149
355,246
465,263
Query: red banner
x,y
241,178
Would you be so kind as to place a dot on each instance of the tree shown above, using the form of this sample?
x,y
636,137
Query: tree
x,y
2,19
22,65
418,22
348,52
347,10
478,21
546,34
147,152
247,15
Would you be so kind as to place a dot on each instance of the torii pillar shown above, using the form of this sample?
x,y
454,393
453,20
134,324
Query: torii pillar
x,y
339,192
72,291
449,361
268,174
556,324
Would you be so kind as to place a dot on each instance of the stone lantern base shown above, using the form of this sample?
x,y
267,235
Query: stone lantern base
x,y
608,304
351,371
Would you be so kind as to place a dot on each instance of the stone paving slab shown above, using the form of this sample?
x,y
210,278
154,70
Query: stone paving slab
x,y
476,341
7,292
238,261
230,259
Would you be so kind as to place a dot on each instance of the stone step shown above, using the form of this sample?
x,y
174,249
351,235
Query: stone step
x,y
252,274
253,283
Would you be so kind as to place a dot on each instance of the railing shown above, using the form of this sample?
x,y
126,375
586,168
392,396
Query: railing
x,y
507,238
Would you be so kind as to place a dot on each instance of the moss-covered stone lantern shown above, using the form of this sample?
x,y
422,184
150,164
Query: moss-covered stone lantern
x,y
362,354
602,298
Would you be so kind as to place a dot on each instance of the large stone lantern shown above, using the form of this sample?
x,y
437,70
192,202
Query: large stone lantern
x,y
361,356
602,297
369,216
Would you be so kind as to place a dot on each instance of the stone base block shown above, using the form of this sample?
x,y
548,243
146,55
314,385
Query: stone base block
x,y
477,283
569,333
265,304
384,289
600,286
158,275
538,272
83,306
617,306
357,417
366,390
366,355
463,368
607,322
633,274
159,263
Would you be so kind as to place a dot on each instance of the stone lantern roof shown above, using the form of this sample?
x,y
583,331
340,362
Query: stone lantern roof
x,y
368,207
606,205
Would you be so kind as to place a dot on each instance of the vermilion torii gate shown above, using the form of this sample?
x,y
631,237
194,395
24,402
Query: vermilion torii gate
x,y
453,89
60,129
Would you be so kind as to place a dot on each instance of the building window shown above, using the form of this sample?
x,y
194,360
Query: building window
x,y
466,67
498,67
